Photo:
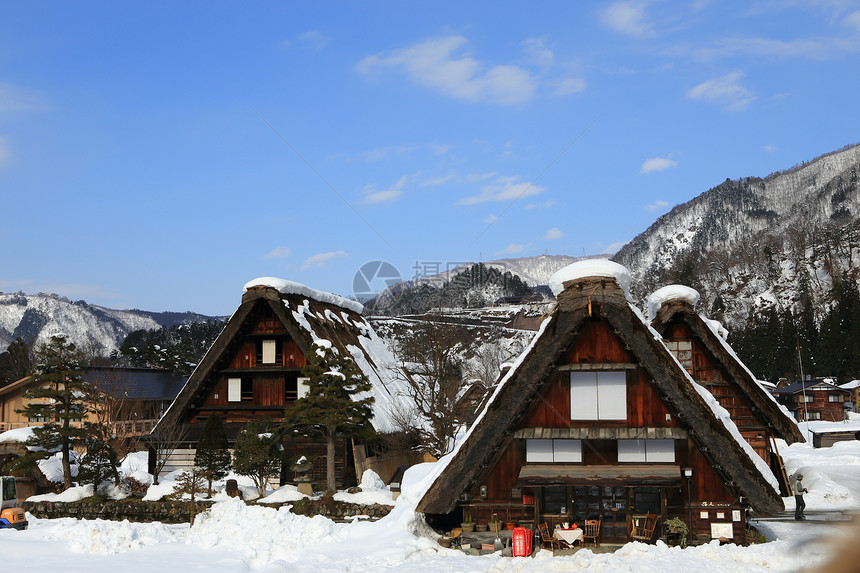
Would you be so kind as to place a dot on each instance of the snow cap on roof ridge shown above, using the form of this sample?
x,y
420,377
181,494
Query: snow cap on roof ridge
x,y
285,286
591,268
670,292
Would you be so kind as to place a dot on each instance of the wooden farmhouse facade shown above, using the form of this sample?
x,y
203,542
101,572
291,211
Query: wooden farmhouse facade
x,y
253,370
816,399
710,361
597,420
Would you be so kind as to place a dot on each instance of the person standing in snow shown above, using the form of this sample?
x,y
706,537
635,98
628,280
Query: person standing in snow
x,y
799,490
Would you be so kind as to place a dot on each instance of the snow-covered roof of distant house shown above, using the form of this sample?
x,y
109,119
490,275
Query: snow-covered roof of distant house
x,y
850,385
824,384
285,286
670,292
591,268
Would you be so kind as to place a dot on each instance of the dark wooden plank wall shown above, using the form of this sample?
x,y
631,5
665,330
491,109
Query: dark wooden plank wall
x,y
716,379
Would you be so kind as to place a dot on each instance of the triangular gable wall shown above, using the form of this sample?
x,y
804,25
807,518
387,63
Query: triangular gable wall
x,y
763,406
514,400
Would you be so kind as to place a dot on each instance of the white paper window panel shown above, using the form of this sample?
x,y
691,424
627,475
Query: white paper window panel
x,y
612,395
583,396
268,352
567,451
234,389
631,451
302,388
659,450
539,451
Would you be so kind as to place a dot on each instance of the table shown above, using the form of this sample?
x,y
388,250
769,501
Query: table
x,y
569,536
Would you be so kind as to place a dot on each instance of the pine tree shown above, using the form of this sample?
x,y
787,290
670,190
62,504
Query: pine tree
x,y
99,465
213,454
334,406
57,398
188,483
257,453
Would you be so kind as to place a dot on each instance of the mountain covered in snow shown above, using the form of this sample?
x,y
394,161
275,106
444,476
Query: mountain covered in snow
x,y
754,243
95,329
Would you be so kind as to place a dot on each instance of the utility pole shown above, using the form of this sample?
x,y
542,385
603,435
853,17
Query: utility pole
x,y
803,388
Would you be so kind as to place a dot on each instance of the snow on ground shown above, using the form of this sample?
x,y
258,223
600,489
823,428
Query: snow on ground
x,y
235,537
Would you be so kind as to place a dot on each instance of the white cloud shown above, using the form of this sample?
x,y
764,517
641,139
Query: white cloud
x,y
657,164
656,205
769,147
503,189
5,152
490,219
512,249
568,86
553,234
320,259
725,91
474,177
440,64
852,20
436,181
538,53
544,205
628,18
14,99
373,197
278,253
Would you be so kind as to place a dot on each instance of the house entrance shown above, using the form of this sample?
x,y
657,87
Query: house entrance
x,y
578,503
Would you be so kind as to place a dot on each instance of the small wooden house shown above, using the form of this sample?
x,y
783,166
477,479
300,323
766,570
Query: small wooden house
x,y
816,399
700,346
253,369
597,420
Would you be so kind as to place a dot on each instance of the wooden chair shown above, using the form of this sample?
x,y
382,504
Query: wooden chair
x,y
642,527
546,537
591,531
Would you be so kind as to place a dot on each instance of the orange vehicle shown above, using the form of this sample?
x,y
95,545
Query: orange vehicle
x,y
11,516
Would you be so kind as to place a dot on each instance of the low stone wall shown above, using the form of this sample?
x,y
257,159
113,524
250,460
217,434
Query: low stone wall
x,y
177,512
132,510
336,510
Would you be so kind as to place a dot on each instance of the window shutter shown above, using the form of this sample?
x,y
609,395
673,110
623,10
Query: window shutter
x,y
612,395
583,396
268,352
538,451
234,389
302,388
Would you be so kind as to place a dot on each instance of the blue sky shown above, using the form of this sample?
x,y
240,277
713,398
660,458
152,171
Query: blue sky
x,y
158,155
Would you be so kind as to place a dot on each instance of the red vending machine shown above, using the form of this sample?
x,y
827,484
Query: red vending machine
x,y
522,541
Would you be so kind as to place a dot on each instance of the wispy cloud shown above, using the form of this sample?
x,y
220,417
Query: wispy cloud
x,y
278,253
656,205
503,189
310,40
553,234
544,205
372,196
512,249
769,148
628,18
568,86
725,91
5,152
657,164
442,65
490,219
436,181
15,99
321,259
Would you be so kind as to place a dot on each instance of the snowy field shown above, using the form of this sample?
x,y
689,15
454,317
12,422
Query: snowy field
x,y
236,537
